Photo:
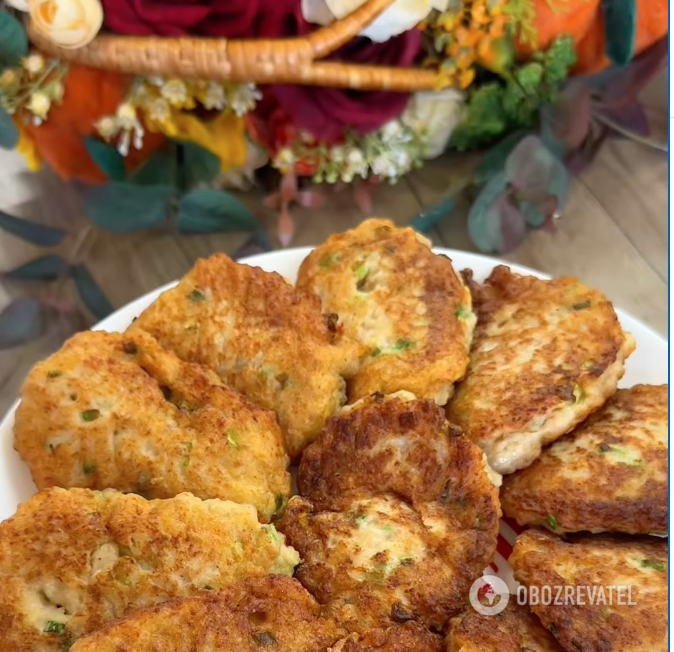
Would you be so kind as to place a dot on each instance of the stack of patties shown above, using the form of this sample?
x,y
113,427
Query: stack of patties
x,y
73,560
545,361
116,411
609,475
397,515
261,336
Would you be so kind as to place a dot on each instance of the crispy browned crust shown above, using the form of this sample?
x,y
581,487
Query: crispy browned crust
x,y
544,356
268,613
410,637
398,517
611,473
160,427
262,337
83,558
543,559
515,629
404,305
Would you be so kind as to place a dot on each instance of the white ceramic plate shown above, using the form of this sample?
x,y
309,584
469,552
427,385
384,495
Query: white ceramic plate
x,y
648,364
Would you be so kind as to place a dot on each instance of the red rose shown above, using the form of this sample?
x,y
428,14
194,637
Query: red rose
x,y
230,18
328,112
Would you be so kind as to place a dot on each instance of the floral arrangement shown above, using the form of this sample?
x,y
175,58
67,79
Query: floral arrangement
x,y
152,149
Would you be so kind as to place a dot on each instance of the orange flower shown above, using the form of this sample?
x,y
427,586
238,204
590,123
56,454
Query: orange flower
x,y
583,20
89,95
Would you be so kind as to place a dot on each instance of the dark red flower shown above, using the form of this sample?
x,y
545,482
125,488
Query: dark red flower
x,y
231,18
328,112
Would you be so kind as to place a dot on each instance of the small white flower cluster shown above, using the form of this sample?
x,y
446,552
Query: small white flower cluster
x,y
34,86
389,153
125,124
243,98
156,98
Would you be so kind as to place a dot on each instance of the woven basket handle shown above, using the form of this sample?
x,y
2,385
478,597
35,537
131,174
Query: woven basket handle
x,y
264,61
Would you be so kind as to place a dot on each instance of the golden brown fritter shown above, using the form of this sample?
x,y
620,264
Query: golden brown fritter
x,y
410,637
612,571
611,473
72,560
404,305
273,613
118,411
545,355
398,515
262,337
515,629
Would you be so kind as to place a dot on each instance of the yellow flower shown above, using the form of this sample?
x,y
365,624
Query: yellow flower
x,y
223,136
34,64
8,79
106,127
39,105
67,23
26,147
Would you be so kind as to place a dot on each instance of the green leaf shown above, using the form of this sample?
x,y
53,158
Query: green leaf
x,y
200,166
13,40
33,232
20,322
426,220
45,268
91,294
9,134
536,174
124,207
207,211
107,158
620,24
156,170
494,160
494,222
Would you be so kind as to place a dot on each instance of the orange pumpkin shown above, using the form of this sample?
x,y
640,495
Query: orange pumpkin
x,y
89,94
583,20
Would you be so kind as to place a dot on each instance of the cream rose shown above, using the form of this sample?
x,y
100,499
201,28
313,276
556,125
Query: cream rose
x,y
437,115
67,23
400,17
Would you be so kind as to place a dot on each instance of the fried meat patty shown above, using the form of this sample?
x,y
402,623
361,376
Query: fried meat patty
x,y
113,410
410,637
72,560
273,613
515,629
397,515
262,337
406,307
545,355
610,474
597,565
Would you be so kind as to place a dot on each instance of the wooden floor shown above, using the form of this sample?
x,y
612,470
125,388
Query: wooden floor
x,y
613,236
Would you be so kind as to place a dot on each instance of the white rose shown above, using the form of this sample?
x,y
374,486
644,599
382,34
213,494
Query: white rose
x,y
67,23
400,17
438,114
21,5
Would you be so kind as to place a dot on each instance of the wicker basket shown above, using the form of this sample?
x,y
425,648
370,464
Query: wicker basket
x,y
264,61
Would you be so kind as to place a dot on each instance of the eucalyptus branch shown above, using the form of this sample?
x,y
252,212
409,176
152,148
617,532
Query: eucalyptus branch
x,y
643,140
